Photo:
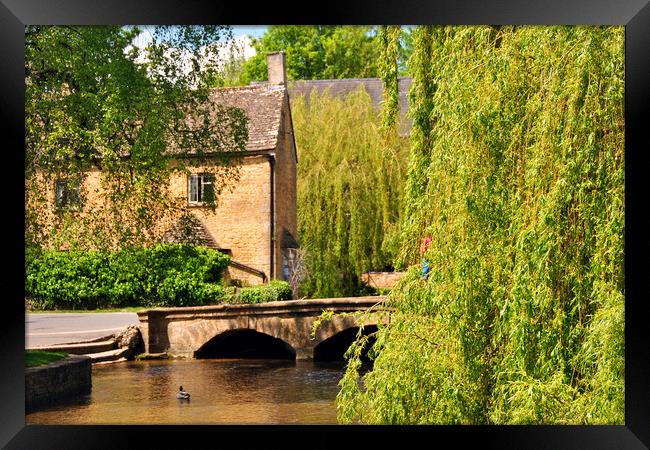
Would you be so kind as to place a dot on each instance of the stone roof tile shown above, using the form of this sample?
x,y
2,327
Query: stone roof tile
x,y
263,106
189,229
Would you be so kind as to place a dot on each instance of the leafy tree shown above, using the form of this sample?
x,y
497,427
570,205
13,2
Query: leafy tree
x,y
350,180
350,185
232,68
517,172
94,100
323,52
316,52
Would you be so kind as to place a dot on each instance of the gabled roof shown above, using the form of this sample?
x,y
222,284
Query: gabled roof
x,y
189,229
263,106
345,86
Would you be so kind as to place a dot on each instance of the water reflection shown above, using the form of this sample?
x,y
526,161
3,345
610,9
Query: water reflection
x,y
223,392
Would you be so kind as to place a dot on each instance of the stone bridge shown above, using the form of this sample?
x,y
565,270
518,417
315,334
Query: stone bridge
x,y
282,328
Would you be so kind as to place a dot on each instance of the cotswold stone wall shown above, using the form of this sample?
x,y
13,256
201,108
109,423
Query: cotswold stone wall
x,y
241,222
68,377
381,280
285,214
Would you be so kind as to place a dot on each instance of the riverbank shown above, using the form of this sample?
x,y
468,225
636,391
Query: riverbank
x,y
48,383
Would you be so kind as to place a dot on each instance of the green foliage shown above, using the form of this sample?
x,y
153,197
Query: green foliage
x,y
232,70
162,275
389,38
315,52
421,98
274,290
35,358
93,101
349,190
517,172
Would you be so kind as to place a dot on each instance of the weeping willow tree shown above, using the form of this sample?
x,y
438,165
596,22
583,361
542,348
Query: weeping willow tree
x,y
517,171
349,191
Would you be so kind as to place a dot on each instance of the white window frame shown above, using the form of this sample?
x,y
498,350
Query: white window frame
x,y
195,196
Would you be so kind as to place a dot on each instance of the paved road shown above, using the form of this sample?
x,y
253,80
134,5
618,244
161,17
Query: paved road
x,y
62,328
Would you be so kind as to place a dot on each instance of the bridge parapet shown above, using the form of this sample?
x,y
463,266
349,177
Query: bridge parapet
x,y
184,330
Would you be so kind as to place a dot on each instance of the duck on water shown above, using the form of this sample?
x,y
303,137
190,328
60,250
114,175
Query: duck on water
x,y
182,395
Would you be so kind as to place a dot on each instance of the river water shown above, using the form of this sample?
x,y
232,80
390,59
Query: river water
x,y
223,391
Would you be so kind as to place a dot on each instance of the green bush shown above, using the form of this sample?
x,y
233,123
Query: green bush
x,y
162,275
273,291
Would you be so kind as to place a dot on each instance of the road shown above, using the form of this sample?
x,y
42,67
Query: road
x,y
62,328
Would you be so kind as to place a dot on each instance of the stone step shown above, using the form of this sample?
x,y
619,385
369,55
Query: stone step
x,y
118,354
82,348
99,339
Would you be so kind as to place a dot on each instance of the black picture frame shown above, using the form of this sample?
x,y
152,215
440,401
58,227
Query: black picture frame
x,y
633,14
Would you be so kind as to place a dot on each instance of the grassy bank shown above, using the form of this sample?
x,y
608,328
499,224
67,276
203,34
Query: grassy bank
x,y
35,358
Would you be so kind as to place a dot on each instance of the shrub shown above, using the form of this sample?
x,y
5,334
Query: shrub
x,y
273,291
162,275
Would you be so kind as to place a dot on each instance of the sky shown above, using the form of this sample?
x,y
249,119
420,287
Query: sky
x,y
242,34
253,30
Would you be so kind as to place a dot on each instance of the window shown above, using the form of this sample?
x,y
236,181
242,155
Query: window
x,y
67,194
200,188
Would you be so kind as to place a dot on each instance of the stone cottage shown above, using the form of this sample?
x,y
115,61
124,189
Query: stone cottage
x,y
255,221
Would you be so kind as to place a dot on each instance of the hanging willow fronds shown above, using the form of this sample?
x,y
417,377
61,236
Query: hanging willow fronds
x,y
517,170
421,110
349,191
389,39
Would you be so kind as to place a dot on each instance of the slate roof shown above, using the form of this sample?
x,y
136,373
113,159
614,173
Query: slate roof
x,y
263,106
262,103
344,86
189,229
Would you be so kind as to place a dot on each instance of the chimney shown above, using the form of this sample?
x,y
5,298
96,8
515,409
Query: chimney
x,y
277,68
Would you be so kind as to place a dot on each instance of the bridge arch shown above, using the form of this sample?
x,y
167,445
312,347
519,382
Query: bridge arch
x,y
245,343
200,331
333,347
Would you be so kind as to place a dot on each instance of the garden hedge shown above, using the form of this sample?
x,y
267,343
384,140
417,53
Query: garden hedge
x,y
161,275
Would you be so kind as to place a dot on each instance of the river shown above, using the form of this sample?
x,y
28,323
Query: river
x,y
223,391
